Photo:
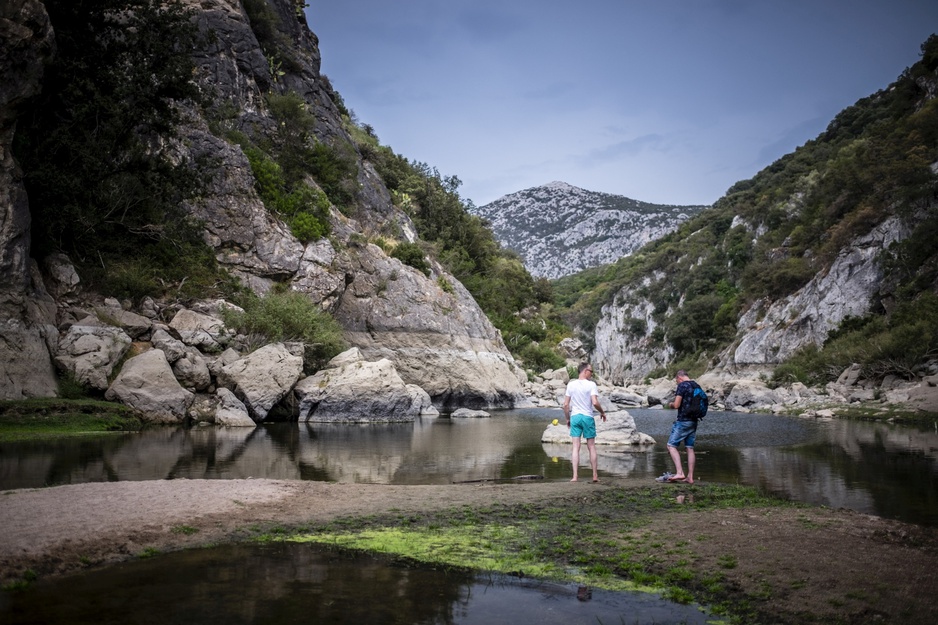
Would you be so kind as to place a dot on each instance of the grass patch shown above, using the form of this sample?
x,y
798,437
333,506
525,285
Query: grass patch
x,y
31,419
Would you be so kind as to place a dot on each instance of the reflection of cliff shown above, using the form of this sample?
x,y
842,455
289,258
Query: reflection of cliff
x,y
163,453
875,468
857,438
275,583
432,451
790,473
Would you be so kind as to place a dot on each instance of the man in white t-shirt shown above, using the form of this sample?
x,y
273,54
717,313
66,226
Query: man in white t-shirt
x,y
578,402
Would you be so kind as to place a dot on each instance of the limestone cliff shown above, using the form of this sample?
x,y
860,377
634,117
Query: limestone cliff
x,y
438,339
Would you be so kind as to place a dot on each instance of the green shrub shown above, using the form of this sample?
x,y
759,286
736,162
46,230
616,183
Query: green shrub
x,y
290,316
413,255
445,285
540,358
303,208
307,227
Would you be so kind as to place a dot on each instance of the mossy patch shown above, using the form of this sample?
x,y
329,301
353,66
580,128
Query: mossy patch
x,y
31,419
500,549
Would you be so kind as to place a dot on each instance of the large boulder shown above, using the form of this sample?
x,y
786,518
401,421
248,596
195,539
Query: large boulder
x,y
352,389
199,330
262,378
130,322
750,394
192,371
89,352
147,384
617,429
231,412
660,392
925,396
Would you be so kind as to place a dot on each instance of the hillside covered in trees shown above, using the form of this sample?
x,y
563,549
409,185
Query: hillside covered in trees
x,y
771,235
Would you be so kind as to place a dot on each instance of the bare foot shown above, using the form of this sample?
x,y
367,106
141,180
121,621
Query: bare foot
x,y
573,480
689,480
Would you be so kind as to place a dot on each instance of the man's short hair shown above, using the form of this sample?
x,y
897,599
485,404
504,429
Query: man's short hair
x,y
681,374
583,366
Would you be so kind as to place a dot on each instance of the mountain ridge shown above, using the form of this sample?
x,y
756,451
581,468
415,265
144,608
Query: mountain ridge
x,y
559,229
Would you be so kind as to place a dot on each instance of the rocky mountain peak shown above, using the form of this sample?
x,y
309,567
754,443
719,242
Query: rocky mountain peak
x,y
559,229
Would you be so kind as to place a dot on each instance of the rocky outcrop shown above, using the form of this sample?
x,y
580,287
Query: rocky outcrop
x,y
27,315
625,348
771,332
353,390
768,333
437,340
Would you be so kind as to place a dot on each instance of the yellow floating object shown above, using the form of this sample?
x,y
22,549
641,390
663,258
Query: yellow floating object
x,y
555,422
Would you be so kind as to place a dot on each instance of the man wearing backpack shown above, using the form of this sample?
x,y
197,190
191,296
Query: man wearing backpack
x,y
684,429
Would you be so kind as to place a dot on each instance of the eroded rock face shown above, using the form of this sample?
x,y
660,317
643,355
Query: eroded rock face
x,y
439,341
769,333
27,321
353,390
808,316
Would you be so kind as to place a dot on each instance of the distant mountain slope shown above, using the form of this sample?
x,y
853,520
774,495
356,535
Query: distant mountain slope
x,y
559,229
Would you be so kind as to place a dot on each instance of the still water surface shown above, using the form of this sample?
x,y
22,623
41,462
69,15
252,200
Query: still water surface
x,y
880,469
875,468
287,583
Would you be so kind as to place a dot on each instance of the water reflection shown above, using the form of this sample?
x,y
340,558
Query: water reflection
x,y
301,583
876,468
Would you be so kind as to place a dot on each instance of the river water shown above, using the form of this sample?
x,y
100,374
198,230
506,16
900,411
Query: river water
x,y
875,468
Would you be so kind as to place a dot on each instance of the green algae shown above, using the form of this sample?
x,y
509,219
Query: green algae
x,y
494,548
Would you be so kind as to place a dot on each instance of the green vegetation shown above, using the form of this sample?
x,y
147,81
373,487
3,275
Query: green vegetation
x,y
288,316
30,419
105,184
413,255
769,235
515,302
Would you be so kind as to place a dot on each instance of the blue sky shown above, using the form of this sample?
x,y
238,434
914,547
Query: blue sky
x,y
663,101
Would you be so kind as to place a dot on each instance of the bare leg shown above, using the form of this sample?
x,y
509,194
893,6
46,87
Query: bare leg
x,y
691,461
591,446
575,457
676,457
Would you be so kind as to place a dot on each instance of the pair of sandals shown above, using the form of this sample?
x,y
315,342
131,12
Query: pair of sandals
x,y
670,478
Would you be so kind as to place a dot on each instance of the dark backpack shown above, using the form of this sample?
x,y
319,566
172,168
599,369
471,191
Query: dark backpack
x,y
698,403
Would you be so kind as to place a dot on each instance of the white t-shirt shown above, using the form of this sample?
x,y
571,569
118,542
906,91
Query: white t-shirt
x,y
581,393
